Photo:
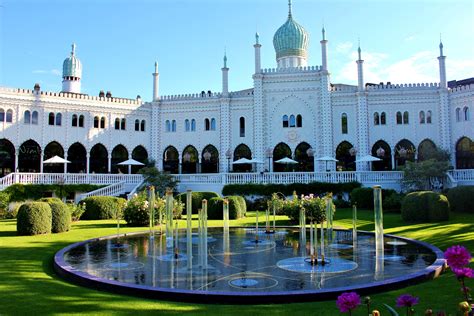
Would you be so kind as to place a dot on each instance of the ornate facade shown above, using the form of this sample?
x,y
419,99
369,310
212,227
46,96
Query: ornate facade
x,y
293,110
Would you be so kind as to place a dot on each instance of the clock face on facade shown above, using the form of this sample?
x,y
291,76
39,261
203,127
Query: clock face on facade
x,y
292,136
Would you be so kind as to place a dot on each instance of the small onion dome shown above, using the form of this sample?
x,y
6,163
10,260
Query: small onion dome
x,y
291,39
72,66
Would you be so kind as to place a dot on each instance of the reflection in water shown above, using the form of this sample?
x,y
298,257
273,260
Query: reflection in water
x,y
235,263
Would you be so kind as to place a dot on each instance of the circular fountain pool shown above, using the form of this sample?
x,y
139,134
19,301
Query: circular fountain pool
x,y
239,270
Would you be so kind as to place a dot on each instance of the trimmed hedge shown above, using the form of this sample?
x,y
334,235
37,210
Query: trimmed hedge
x,y
196,199
102,207
215,208
50,200
288,189
61,217
461,199
425,206
34,218
364,198
23,192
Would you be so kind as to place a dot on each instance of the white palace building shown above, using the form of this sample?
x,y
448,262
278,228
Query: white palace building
x,y
293,110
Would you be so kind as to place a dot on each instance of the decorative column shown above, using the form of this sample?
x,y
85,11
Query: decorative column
x,y
326,135
156,83
109,163
362,115
225,78
444,121
257,47
88,162
324,53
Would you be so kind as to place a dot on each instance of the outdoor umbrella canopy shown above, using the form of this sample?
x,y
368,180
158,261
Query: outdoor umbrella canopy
x,y
327,158
287,161
241,161
130,162
56,159
253,160
368,158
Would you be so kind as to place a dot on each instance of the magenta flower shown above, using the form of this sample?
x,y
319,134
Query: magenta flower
x,y
348,301
464,272
457,256
406,300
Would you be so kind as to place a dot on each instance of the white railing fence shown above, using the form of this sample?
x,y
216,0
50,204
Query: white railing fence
x,y
134,190
111,190
7,181
463,176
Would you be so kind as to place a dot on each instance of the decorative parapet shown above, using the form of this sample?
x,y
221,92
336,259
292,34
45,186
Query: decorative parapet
x,y
292,69
404,86
343,88
462,88
191,96
70,96
242,93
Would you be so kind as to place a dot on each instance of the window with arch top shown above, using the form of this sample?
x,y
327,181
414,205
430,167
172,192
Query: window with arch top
x,y
466,113
34,118
422,117
96,122
383,118
167,126
193,125
2,115
27,117
59,118
102,122
405,117
81,120
242,126
376,118
399,118
285,120
187,125
142,125
137,125
117,123
74,120
344,123
9,116
123,124
213,124
207,125
173,125
292,121
51,118
428,117
299,120
458,115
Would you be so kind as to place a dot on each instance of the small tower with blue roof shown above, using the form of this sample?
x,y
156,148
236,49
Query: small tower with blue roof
x,y
72,73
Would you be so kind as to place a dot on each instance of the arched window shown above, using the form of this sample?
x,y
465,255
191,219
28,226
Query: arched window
x,y
193,125
137,125
117,123
9,115
292,121
428,117
466,113
81,120
2,115
51,118
383,118
142,125
187,126
458,115
123,124
207,125
213,124
399,118
74,120
242,126
344,123
102,122
27,117
58,119
173,126
299,121
422,117
405,117
285,121
167,126
34,118
96,122
376,118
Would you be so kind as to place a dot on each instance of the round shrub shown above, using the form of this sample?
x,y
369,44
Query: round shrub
x,y
61,217
363,197
4,201
461,199
34,218
216,204
50,199
196,199
315,208
103,207
425,206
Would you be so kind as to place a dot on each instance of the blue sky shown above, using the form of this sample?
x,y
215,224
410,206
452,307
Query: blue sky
x,y
118,41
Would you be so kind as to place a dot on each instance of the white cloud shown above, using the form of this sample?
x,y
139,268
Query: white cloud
x,y
410,38
54,72
344,47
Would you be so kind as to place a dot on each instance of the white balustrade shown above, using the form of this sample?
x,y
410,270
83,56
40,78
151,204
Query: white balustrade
x,y
463,176
111,190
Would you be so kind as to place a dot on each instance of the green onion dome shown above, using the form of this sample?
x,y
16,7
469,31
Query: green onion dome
x,y
72,66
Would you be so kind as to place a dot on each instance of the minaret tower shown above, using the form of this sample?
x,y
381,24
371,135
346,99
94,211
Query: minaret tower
x,y
72,73
360,71
257,47
225,78
156,83
442,67
324,52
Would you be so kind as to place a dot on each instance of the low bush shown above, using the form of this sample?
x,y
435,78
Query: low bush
x,y
61,217
76,210
50,199
137,211
197,198
425,206
4,201
23,192
259,204
364,199
216,204
103,207
315,208
34,218
461,199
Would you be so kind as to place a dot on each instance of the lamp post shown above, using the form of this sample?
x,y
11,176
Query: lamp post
x,y
269,155
228,155
310,153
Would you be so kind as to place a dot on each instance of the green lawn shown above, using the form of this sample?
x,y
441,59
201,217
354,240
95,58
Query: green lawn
x,y
28,284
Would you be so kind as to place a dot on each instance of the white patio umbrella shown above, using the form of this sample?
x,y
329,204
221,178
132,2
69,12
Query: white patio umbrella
x,y
56,159
131,162
253,160
242,161
369,159
326,159
287,161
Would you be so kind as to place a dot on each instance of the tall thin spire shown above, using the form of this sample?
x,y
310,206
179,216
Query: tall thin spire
x,y
359,51
440,45
73,51
225,57
324,33
289,9
257,37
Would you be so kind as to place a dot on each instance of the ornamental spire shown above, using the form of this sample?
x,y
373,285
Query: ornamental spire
x,y
73,51
225,58
289,9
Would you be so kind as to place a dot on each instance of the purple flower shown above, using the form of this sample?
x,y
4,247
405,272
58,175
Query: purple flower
x,y
406,300
348,301
457,256
464,272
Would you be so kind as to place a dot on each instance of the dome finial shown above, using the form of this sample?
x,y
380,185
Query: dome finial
x,y
73,51
225,57
257,38
289,9
359,51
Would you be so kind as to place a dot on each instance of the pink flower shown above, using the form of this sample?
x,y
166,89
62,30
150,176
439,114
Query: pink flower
x,y
406,300
464,272
457,256
348,301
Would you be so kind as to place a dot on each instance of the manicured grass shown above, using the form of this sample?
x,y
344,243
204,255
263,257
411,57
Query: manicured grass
x,y
28,284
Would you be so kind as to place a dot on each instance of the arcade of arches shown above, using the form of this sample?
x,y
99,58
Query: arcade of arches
x,y
27,157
